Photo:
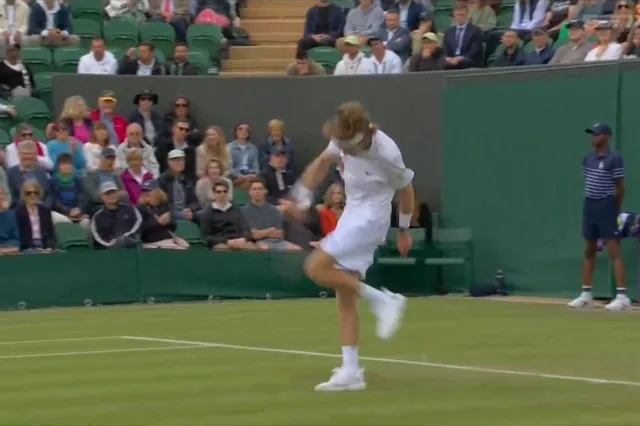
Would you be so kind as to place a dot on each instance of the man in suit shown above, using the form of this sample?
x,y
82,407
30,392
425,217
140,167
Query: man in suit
x,y
323,25
409,12
50,25
396,38
462,42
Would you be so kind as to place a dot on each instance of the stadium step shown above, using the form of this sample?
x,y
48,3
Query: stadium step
x,y
301,5
275,38
281,13
255,73
276,51
274,25
257,64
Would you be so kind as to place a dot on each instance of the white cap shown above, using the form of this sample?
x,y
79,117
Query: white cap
x,y
176,153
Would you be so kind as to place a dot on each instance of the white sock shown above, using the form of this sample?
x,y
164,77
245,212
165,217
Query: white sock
x,y
350,357
372,295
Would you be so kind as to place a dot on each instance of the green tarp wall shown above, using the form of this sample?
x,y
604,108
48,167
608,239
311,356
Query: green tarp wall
x,y
512,155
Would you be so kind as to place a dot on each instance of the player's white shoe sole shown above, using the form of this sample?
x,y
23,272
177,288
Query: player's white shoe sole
x,y
389,314
620,303
342,380
582,301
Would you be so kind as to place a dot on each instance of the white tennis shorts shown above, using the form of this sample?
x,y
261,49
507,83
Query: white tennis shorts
x,y
354,241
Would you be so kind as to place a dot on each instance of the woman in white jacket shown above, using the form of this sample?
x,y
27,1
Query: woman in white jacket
x,y
607,48
134,140
354,62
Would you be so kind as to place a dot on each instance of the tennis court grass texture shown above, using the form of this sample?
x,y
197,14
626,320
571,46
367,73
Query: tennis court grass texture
x,y
455,362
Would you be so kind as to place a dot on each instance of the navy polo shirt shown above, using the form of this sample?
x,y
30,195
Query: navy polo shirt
x,y
601,172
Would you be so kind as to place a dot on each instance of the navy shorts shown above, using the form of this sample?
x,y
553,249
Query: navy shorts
x,y
600,219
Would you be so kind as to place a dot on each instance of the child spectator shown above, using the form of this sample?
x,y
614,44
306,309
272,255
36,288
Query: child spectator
x,y
34,220
67,194
157,221
93,148
9,230
204,187
116,224
64,143
135,175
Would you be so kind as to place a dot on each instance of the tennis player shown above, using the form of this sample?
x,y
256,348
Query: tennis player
x,y
373,170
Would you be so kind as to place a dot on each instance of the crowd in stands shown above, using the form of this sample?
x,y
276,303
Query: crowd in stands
x,y
392,37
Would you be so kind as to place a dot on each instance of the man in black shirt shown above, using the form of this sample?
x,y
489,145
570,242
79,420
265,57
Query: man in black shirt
x,y
278,180
512,55
323,25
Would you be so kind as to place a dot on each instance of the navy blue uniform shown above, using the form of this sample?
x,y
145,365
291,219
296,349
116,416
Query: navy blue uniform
x,y
600,213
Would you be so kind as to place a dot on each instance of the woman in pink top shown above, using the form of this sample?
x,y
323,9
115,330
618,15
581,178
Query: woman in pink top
x,y
135,175
74,114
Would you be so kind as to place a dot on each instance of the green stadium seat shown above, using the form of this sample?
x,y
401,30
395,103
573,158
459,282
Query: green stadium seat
x,y
456,248
71,236
328,57
66,59
240,197
560,42
6,121
5,138
44,88
38,58
88,9
121,33
442,22
117,52
345,4
190,232
205,37
161,35
201,61
504,19
86,29
33,110
388,254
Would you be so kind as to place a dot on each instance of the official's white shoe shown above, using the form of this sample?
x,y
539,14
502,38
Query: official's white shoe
x,y
620,303
582,301
389,314
344,379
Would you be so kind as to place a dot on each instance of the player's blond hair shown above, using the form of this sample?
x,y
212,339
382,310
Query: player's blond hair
x,y
351,118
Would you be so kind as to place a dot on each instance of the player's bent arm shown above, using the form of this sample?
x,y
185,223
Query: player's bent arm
x,y
317,171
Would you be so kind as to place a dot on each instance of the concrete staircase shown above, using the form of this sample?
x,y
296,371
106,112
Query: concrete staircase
x,y
274,27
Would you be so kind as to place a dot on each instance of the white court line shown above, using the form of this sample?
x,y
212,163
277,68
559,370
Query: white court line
x,y
71,339
391,361
105,351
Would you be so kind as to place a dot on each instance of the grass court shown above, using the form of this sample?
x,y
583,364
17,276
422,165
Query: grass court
x,y
455,362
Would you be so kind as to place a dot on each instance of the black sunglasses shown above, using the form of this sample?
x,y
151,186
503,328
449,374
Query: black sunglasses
x,y
25,135
183,129
145,99
182,105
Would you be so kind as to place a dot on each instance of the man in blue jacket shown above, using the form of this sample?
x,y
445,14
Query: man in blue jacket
x,y
396,38
323,25
50,25
543,52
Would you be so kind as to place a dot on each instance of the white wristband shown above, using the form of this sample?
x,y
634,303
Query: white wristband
x,y
404,221
302,195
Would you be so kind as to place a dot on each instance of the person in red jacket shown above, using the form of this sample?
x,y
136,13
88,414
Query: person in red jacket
x,y
106,113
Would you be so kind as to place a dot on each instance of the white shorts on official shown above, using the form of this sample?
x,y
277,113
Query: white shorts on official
x,y
357,236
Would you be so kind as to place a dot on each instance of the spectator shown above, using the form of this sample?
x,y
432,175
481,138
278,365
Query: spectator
x,y
278,180
512,55
214,172
106,112
322,26
14,23
158,226
607,49
34,220
383,60
179,63
363,22
174,13
426,26
16,77
74,116
265,220
622,21
482,15
67,194
131,10
178,141
98,60
276,139
93,148
24,133
331,208
146,117
397,38
303,66
104,173
527,16
245,163
223,225
64,143
27,168
134,142
182,110
9,229
577,50
543,52
179,188
4,186
409,12
632,46
591,10
115,224
559,12
462,43
145,63
353,62
135,175
214,146
431,58
50,24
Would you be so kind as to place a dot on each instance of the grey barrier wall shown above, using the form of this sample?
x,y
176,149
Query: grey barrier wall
x,y
407,107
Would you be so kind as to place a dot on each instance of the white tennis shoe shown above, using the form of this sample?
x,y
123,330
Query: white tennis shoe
x,y
344,379
389,314
620,303
582,301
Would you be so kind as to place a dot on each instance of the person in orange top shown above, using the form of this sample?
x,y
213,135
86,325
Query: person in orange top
x,y
331,208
